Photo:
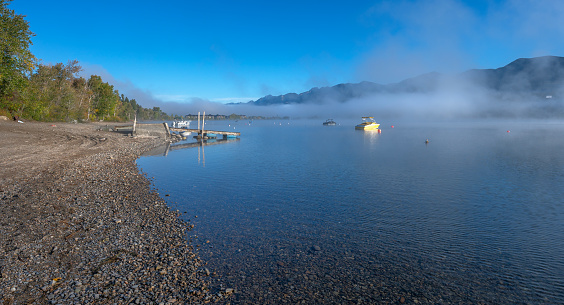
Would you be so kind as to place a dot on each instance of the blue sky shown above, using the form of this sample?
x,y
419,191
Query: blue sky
x,y
219,51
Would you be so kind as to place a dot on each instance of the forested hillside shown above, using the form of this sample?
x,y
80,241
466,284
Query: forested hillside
x,y
47,92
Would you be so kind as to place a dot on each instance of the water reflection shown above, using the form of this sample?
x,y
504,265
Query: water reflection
x,y
203,156
330,216
371,136
163,150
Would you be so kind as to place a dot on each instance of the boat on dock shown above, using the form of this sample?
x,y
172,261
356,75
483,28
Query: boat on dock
x,y
367,124
181,124
329,122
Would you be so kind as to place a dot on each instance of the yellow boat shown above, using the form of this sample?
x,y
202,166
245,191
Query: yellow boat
x,y
368,124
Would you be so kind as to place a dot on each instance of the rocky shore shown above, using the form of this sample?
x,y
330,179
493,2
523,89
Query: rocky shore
x,y
81,225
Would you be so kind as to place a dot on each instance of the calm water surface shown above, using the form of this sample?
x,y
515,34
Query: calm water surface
x,y
299,212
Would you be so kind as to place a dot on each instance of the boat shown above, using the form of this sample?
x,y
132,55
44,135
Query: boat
x,y
329,122
367,124
181,124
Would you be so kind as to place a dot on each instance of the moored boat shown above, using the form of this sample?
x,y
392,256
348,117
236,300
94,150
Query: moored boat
x,y
329,122
181,124
367,124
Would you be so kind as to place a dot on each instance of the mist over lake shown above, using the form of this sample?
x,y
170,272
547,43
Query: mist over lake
x,y
524,88
299,212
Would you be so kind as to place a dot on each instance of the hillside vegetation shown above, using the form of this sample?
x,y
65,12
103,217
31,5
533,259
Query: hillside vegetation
x,y
55,92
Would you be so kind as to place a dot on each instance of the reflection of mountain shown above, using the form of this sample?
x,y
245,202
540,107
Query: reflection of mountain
x,y
540,76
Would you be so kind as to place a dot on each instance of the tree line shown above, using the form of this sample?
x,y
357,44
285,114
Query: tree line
x,y
32,90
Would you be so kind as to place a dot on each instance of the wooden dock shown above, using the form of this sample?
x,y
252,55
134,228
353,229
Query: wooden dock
x,y
205,134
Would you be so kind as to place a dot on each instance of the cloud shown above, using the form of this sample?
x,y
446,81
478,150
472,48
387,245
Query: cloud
x,y
143,97
416,37
226,100
323,70
532,25
454,97
409,38
170,104
516,92
184,104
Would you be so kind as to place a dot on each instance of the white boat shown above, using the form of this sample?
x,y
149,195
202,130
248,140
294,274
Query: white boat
x,y
367,124
181,124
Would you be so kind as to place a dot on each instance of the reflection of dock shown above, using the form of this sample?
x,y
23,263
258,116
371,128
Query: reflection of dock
x,y
164,149
201,143
225,134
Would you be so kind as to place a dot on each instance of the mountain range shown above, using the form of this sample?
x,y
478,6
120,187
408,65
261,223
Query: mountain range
x,y
539,78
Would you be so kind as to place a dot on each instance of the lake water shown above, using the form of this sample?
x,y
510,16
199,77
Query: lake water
x,y
296,212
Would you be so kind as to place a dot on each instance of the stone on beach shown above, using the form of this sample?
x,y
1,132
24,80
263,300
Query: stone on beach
x,y
80,224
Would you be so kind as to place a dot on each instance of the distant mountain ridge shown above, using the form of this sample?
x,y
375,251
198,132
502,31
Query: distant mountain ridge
x,y
539,76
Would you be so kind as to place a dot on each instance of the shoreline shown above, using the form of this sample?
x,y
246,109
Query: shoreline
x,y
82,224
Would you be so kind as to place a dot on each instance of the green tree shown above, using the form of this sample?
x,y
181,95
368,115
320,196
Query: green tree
x,y
127,111
83,98
37,102
104,98
157,113
56,93
64,97
16,60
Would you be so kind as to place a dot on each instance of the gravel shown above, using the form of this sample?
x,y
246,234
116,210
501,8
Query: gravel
x,y
80,224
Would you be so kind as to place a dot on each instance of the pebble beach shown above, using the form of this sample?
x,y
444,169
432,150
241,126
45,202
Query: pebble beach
x,y
81,225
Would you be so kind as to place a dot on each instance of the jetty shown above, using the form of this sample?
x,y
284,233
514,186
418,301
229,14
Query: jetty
x,y
163,130
203,134
207,134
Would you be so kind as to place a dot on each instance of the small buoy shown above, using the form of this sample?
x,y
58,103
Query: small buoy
x,y
427,141
508,131
379,130
392,126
